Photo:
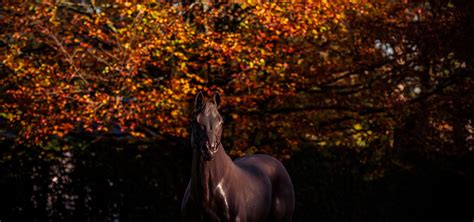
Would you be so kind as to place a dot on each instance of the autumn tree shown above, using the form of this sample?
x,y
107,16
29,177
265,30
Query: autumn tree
x,y
377,77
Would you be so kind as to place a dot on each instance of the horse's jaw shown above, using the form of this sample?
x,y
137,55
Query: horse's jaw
x,y
207,155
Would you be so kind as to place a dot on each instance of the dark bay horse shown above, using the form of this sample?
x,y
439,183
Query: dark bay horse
x,y
252,188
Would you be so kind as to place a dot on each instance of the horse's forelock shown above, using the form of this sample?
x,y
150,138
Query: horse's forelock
x,y
210,109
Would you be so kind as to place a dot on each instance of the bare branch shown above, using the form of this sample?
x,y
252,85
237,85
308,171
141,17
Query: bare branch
x,y
77,72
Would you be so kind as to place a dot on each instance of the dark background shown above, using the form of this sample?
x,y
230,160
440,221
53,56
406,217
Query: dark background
x,y
122,179
131,181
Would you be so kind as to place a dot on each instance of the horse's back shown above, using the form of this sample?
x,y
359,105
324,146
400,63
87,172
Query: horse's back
x,y
263,163
283,199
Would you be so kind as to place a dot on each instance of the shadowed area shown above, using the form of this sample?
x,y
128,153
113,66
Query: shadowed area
x,y
368,104
109,183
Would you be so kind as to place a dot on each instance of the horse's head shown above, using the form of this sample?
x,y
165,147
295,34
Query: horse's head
x,y
206,126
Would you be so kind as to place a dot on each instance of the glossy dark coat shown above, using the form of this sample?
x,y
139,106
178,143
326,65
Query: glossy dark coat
x,y
252,188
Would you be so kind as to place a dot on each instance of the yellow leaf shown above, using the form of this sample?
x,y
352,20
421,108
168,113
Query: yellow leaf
x,y
357,126
174,113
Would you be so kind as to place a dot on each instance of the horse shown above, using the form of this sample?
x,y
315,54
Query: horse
x,y
252,188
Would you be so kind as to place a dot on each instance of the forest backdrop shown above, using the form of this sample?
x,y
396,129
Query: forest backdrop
x,y
367,104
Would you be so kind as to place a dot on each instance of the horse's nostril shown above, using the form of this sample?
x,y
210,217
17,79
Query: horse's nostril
x,y
211,146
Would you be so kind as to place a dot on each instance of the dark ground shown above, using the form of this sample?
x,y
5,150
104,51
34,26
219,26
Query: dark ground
x,y
139,182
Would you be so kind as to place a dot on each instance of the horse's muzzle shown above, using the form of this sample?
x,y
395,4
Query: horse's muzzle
x,y
209,150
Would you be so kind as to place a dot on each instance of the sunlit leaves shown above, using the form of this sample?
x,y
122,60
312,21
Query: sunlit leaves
x,y
327,73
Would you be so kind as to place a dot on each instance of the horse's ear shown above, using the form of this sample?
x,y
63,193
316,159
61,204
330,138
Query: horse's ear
x,y
217,99
198,101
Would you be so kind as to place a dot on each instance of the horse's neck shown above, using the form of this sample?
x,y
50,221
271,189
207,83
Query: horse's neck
x,y
206,175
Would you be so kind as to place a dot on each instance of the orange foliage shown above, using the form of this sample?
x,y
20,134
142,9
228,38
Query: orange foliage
x,y
328,73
